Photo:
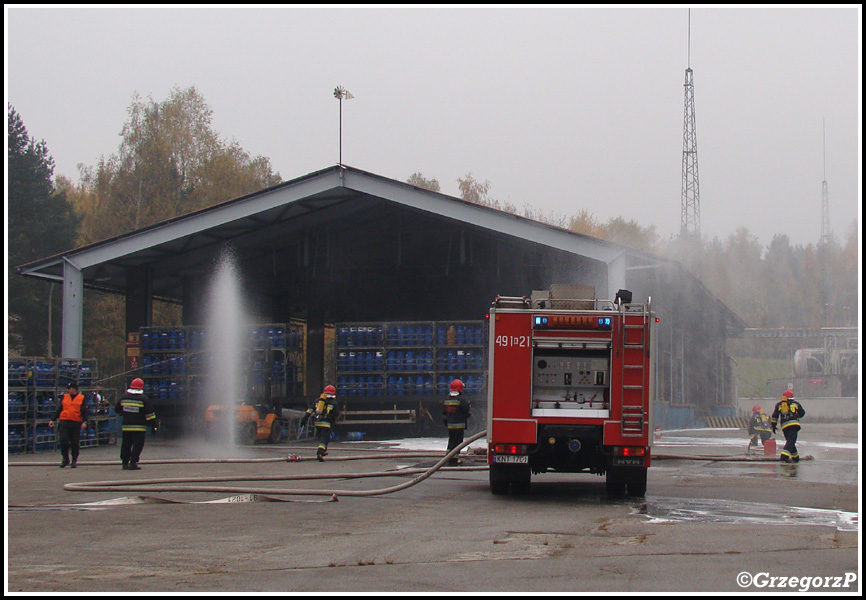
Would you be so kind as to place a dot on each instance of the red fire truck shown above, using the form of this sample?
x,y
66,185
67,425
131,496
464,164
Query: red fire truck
x,y
570,387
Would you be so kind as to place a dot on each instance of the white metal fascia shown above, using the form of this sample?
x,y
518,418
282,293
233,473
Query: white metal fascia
x,y
484,217
195,223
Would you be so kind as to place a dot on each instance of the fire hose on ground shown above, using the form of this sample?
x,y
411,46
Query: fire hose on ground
x,y
176,484
183,484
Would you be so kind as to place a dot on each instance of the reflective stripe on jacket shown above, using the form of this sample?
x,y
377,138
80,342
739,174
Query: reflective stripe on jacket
x,y
788,413
325,413
136,410
456,411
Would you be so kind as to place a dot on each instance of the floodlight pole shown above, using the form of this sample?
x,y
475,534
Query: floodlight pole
x,y
339,94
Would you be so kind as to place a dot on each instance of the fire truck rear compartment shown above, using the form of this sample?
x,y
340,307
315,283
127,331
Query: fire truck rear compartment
x,y
568,449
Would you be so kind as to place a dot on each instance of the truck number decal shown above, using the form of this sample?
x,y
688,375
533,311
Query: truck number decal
x,y
518,341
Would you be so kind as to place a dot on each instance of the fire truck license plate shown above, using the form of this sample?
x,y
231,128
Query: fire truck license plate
x,y
510,458
627,461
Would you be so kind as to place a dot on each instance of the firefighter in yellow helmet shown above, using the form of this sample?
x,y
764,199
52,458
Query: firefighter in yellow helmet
x,y
324,415
787,414
455,413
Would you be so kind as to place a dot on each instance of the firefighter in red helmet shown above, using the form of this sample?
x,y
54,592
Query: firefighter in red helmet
x,y
759,427
787,414
138,415
455,413
324,415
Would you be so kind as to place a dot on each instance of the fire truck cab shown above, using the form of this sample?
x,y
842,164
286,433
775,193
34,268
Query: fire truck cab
x,y
570,388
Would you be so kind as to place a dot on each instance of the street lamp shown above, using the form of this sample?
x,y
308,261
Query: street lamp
x,y
339,94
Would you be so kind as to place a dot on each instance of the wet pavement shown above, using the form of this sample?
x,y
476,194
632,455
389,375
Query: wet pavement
x,y
703,523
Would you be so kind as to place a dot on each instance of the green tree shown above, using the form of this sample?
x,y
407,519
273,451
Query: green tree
x,y
170,161
473,190
41,223
478,192
630,233
418,180
584,223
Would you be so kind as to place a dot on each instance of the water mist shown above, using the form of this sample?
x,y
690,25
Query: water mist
x,y
226,328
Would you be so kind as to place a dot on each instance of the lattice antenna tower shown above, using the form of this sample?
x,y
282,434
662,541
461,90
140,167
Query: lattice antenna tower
x,y
825,198
691,192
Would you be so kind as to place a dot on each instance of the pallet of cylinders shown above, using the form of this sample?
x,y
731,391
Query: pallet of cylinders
x,y
386,370
176,364
36,388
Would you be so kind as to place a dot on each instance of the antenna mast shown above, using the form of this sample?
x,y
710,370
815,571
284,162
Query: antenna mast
x,y
691,195
825,198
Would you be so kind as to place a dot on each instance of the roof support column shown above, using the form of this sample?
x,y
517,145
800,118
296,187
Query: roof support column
x,y
194,298
616,275
73,310
139,299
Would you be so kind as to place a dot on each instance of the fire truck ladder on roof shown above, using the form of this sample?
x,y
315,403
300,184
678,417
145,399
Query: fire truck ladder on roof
x,y
634,344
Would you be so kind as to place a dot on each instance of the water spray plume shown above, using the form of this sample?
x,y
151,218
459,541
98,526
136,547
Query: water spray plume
x,y
225,327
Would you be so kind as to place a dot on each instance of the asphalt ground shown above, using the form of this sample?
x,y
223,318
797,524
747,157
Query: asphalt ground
x,y
706,526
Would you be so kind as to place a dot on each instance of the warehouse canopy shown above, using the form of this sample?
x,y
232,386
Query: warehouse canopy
x,y
344,245
268,218
333,234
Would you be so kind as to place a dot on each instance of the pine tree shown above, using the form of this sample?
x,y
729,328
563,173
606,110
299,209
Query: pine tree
x,y
40,223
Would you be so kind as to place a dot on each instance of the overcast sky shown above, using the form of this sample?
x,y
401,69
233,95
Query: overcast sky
x,y
561,108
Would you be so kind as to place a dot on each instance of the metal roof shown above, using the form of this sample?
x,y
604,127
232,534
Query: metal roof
x,y
262,221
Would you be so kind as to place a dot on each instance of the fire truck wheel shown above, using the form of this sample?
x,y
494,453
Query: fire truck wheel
x,y
615,482
499,482
636,482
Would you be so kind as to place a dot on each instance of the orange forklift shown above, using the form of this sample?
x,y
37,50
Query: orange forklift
x,y
252,423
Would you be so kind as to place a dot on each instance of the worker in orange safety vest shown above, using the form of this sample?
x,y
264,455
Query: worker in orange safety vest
x,y
71,418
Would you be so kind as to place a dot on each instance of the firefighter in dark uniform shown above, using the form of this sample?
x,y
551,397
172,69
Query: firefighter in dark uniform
x,y
324,416
138,415
759,427
71,418
787,414
455,413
